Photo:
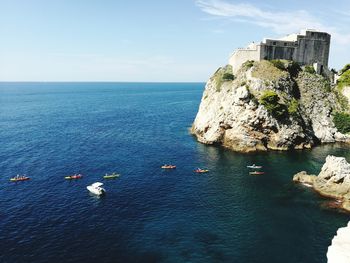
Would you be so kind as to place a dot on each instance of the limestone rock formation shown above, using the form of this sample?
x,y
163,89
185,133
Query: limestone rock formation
x,y
339,250
304,178
333,180
266,106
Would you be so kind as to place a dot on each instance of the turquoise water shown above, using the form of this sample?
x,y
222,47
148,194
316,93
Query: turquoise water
x,y
49,130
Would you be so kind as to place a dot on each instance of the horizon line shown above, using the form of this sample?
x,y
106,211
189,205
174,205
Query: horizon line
x,y
93,81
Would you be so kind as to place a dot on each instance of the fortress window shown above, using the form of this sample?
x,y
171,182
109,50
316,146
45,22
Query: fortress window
x,y
285,44
274,43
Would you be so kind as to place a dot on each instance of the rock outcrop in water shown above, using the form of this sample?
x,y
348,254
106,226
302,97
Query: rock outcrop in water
x,y
333,180
267,105
339,250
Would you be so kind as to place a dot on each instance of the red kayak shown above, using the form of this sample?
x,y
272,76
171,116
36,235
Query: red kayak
x,y
256,173
198,170
74,176
19,178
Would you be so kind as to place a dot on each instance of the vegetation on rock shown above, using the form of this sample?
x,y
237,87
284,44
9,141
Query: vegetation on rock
x,y
278,64
342,100
344,79
248,64
293,107
344,69
310,69
270,100
265,70
228,76
293,68
342,121
221,75
272,105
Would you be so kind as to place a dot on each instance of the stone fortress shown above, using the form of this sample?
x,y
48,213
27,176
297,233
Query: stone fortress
x,y
309,47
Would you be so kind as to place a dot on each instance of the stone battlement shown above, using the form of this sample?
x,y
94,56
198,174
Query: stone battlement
x,y
309,47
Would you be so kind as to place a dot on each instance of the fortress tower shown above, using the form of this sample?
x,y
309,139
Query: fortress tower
x,y
309,47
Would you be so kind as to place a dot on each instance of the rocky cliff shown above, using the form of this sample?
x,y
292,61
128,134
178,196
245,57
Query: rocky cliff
x,y
339,250
267,105
333,180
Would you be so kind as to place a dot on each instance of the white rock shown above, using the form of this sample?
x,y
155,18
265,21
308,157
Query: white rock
x,y
232,108
339,250
332,181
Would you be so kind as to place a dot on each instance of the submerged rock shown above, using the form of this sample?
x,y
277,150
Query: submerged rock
x,y
333,180
264,107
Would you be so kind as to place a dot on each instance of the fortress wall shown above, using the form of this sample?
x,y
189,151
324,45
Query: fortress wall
x,y
242,55
313,48
300,53
277,52
306,48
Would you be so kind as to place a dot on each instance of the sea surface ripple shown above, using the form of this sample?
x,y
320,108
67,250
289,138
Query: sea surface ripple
x,y
50,130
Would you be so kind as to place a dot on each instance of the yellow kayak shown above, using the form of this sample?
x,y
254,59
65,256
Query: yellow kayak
x,y
111,176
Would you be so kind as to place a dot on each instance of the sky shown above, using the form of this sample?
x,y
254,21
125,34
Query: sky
x,y
154,40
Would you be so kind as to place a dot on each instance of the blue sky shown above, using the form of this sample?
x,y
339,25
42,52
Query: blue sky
x,y
155,40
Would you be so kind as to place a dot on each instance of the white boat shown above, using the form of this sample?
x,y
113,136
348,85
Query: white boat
x,y
96,188
254,166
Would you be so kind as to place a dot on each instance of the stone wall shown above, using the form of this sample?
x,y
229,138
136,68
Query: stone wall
x,y
306,48
277,52
242,55
313,47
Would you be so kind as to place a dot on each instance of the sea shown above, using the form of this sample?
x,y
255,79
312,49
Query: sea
x,y
51,130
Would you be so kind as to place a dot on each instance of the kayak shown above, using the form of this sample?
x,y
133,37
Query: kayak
x,y
256,173
17,179
254,166
168,166
201,171
111,176
75,176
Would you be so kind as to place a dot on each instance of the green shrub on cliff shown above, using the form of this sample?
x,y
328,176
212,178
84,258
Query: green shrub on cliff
x,y
228,76
269,96
270,100
278,64
221,75
342,122
344,69
310,69
287,65
293,107
344,79
294,69
341,99
248,64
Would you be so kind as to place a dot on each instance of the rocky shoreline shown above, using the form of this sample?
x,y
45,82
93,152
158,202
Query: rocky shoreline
x,y
333,181
339,250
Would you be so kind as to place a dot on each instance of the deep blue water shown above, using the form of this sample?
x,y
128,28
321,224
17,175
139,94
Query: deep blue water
x,y
49,130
